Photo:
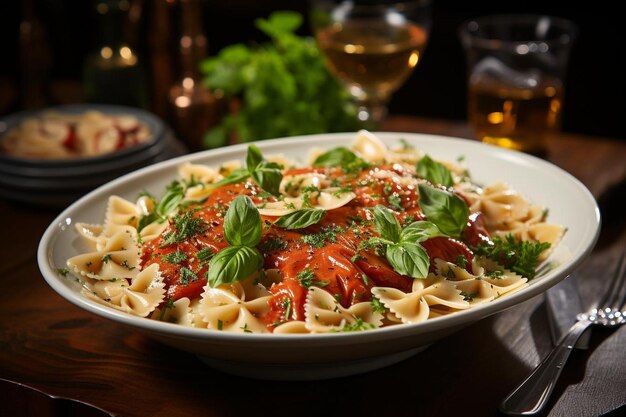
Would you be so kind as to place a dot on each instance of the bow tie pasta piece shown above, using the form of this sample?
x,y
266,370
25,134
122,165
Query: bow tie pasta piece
x,y
310,190
178,312
221,309
140,298
500,205
292,327
426,294
125,213
90,232
200,176
369,147
197,173
324,314
119,258
489,282
534,228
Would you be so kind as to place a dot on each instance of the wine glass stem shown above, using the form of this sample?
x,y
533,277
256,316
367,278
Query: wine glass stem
x,y
372,111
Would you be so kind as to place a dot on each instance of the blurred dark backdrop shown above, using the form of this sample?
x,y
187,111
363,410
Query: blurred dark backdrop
x,y
595,89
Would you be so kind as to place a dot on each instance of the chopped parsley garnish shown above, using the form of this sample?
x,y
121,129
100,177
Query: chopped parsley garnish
x,y
186,226
357,257
311,189
286,305
377,306
63,271
468,296
395,202
175,257
365,280
273,243
106,258
318,240
461,261
521,257
186,275
204,254
406,146
306,278
169,304
127,266
494,274
357,326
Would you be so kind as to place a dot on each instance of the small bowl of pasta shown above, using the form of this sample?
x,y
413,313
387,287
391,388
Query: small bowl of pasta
x,y
326,255
58,154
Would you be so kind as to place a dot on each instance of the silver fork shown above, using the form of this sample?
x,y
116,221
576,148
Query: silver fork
x,y
532,394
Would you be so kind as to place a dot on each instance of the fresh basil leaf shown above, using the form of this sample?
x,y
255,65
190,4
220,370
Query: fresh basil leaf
x,y
242,223
233,263
170,201
336,157
268,175
386,224
254,158
447,210
408,258
234,177
419,231
434,172
300,219
146,219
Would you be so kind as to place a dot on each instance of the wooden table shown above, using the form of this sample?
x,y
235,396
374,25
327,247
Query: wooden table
x,y
52,346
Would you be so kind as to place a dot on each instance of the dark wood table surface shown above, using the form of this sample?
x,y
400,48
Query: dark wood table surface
x,y
50,345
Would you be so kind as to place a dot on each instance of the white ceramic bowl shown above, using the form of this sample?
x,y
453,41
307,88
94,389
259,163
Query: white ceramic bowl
x,y
273,356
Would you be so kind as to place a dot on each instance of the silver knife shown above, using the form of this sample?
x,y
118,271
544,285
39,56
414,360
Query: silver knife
x,y
563,303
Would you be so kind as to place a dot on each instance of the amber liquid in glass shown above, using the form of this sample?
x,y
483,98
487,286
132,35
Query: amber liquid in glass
x,y
371,54
516,118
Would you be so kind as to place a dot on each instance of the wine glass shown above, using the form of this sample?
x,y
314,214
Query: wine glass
x,y
372,46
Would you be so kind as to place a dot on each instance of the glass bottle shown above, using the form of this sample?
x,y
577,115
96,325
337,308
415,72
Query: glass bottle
x,y
193,107
113,74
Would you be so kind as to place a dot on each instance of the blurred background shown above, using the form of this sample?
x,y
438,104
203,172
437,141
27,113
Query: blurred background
x,y
50,50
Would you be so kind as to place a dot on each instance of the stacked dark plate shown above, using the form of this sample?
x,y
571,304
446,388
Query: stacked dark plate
x,y
59,182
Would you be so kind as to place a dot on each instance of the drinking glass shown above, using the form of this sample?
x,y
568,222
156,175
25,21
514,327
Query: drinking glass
x,y
372,46
516,72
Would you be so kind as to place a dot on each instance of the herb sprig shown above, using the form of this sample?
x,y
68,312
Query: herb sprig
x,y
445,209
267,175
402,245
521,257
434,171
242,229
342,157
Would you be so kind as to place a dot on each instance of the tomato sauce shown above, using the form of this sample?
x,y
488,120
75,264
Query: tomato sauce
x,y
330,254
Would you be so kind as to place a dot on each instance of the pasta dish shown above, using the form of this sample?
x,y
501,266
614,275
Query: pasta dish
x,y
358,238
54,135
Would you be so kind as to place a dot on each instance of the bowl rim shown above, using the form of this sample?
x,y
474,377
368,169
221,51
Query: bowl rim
x,y
155,124
458,319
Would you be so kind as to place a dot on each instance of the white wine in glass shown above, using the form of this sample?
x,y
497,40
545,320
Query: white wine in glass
x,y
372,46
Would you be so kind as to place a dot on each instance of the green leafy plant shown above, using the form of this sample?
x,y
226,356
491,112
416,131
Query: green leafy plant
x,y
283,85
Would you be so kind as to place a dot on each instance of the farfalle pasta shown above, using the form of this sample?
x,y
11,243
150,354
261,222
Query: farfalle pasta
x,y
360,238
